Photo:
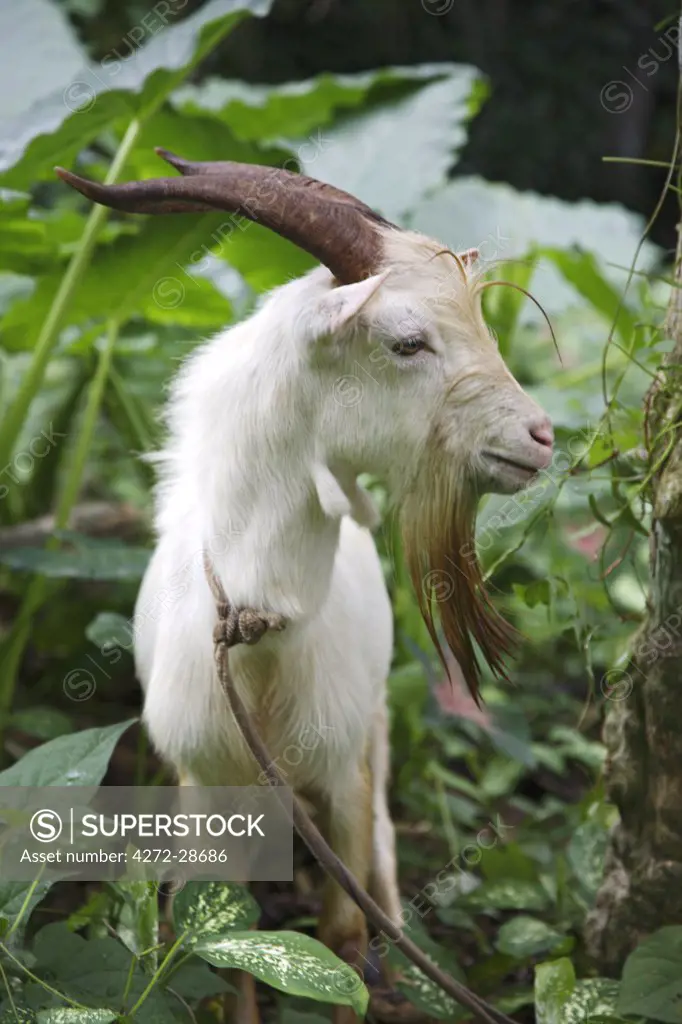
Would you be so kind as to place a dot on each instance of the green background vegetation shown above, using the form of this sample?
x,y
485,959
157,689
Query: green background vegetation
x,y
501,815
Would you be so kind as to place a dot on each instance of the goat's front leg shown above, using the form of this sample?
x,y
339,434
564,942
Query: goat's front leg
x,y
342,924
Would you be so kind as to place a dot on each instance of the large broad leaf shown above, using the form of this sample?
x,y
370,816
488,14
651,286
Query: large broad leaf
x,y
95,972
421,991
80,759
586,853
527,936
264,259
143,275
40,54
368,154
195,137
506,224
73,1015
652,977
104,562
20,898
295,109
508,894
195,980
593,997
291,962
57,129
207,910
581,270
17,1015
554,983
424,994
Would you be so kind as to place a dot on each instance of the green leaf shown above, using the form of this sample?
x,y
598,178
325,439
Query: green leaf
x,y
290,962
586,853
39,493
17,1015
16,897
652,977
507,894
55,130
554,983
592,997
433,119
43,722
263,258
573,744
101,562
138,924
206,910
527,936
80,759
426,996
294,109
160,288
500,777
72,1015
532,594
507,861
41,54
502,306
582,271
109,629
195,980
24,245
95,971
421,991
506,223
196,137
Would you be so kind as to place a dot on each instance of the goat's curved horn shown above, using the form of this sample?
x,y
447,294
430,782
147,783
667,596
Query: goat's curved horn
x,y
320,188
330,224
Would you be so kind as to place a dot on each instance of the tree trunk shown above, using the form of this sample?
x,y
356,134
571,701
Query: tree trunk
x,y
642,887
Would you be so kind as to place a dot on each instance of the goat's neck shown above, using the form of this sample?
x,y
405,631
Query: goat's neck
x,y
272,542
267,503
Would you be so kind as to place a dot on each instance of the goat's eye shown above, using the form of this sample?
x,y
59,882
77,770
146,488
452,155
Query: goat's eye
x,y
408,347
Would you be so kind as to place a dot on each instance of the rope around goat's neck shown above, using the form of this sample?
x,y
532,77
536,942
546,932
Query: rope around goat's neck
x,y
311,835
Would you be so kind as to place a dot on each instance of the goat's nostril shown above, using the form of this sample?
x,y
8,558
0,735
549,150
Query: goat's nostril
x,y
543,434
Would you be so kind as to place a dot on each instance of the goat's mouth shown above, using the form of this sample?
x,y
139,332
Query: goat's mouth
x,y
508,474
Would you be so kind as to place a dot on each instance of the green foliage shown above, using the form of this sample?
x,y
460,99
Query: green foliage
x,y
77,760
290,962
503,821
204,910
652,978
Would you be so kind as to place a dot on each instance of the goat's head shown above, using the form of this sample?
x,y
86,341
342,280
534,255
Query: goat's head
x,y
414,386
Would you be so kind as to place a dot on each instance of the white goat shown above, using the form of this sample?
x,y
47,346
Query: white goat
x,y
267,438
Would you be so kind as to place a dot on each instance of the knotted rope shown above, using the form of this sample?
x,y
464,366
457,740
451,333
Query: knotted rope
x,y
248,626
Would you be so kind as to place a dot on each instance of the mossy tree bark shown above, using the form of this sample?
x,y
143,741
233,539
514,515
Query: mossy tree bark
x,y
642,887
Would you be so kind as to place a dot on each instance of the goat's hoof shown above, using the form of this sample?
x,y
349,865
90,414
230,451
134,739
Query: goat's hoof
x,y
253,625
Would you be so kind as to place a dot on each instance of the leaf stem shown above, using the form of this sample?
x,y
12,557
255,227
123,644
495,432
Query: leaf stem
x,y
9,993
159,971
27,899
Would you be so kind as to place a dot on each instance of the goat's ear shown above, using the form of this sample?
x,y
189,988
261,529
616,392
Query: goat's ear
x,y
340,305
469,257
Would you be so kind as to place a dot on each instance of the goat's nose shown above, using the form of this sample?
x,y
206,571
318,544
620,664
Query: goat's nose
x,y
542,432
543,435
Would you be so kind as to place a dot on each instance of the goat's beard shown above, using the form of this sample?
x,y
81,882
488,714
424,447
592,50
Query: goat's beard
x,y
438,517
